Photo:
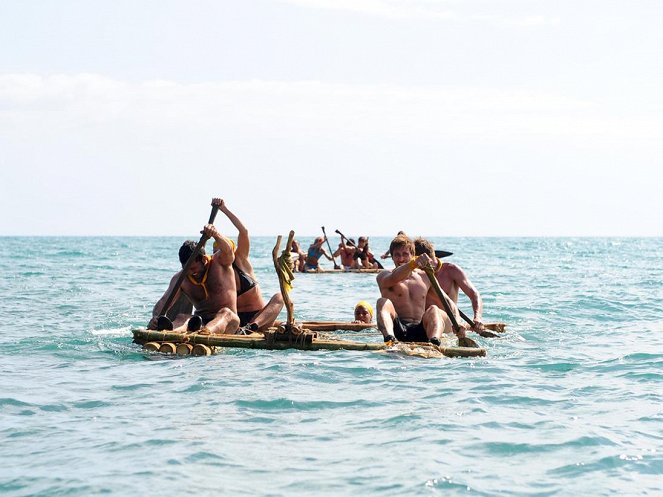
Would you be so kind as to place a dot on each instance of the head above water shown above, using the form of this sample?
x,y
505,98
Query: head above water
x,y
187,249
423,246
363,312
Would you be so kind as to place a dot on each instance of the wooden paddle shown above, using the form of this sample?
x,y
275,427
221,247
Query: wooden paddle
x,y
462,342
380,266
483,333
336,266
438,253
185,268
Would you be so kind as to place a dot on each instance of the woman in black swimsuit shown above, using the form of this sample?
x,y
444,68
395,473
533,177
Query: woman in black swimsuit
x,y
254,315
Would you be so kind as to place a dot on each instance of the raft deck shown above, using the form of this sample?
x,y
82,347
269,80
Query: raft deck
x,y
271,340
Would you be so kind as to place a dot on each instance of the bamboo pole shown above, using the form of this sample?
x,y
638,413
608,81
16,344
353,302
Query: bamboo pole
x,y
285,274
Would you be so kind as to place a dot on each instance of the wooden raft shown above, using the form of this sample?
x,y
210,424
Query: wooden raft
x,y
273,340
289,335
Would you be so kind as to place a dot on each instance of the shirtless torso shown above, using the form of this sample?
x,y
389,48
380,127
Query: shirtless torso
x,y
211,289
210,286
407,295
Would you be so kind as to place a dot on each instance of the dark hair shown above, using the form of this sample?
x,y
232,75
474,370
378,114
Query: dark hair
x,y
187,249
423,246
401,241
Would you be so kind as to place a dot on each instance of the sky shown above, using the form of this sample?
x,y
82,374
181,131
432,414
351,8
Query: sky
x,y
437,117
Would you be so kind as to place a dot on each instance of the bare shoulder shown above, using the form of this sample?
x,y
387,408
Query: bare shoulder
x,y
175,276
383,274
451,268
383,278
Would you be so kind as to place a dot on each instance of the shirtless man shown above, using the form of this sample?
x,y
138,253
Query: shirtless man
x,y
346,252
253,314
451,278
315,251
402,313
210,286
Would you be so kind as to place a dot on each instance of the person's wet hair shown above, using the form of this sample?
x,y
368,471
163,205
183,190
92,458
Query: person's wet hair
x,y
399,242
423,246
187,249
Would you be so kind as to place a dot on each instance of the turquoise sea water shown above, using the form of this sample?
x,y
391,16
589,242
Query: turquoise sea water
x,y
569,402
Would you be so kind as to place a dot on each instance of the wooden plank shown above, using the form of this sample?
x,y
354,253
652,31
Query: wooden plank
x,y
333,325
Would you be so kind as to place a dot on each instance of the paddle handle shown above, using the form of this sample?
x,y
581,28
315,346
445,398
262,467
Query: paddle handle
x,y
187,265
346,239
442,296
466,318
336,266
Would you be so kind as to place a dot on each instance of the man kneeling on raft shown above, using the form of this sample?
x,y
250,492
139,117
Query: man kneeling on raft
x,y
209,285
401,311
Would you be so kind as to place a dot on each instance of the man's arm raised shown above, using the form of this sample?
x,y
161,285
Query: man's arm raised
x,y
225,253
243,240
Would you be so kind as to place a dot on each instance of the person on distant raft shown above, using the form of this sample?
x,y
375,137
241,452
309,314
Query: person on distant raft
x,y
298,256
402,313
363,257
451,278
363,312
253,314
210,286
346,252
315,251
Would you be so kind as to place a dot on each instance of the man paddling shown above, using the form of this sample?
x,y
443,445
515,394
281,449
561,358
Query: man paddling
x,y
402,313
254,314
346,252
210,286
451,278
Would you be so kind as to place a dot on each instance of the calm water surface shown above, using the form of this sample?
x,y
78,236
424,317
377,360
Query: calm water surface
x,y
568,402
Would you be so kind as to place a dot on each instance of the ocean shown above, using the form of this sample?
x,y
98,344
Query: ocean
x,y
567,402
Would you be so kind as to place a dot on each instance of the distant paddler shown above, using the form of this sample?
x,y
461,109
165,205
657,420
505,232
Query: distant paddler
x,y
402,313
254,314
346,252
451,278
209,284
315,251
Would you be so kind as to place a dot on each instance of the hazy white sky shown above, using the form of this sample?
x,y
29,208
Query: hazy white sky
x,y
440,117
